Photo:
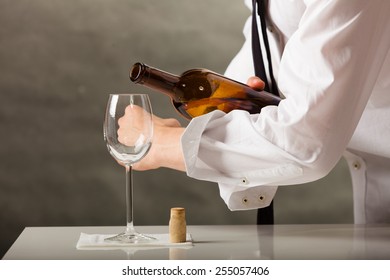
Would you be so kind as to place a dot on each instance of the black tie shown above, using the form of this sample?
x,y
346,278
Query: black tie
x,y
258,62
264,215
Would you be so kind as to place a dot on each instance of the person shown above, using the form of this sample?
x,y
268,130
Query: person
x,y
332,65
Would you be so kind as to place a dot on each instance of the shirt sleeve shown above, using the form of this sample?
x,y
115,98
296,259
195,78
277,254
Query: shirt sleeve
x,y
327,72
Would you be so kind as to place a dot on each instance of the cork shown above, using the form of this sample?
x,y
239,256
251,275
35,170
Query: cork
x,y
177,225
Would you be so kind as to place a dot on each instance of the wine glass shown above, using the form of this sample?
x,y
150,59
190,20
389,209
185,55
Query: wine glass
x,y
133,114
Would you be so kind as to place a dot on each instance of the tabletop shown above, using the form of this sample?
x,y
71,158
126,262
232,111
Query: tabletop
x,y
283,242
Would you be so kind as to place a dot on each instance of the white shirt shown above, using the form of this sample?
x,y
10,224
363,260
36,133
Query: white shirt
x,y
332,64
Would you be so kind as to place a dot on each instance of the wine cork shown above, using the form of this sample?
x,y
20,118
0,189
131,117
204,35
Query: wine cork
x,y
177,225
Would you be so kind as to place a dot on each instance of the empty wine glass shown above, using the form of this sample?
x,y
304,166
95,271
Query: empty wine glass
x,y
133,114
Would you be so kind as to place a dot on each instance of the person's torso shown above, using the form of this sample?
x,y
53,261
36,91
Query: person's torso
x,y
373,130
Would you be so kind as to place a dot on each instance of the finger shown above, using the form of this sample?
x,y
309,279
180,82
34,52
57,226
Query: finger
x,y
256,83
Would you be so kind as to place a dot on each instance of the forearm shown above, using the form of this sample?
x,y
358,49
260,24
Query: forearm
x,y
165,151
168,149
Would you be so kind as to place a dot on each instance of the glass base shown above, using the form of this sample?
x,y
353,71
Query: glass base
x,y
132,237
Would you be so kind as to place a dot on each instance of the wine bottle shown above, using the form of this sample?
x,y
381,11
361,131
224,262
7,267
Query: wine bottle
x,y
200,91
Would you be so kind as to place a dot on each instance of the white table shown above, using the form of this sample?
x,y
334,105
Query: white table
x,y
322,242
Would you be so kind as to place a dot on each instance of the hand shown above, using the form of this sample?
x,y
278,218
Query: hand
x,y
166,147
256,83
132,124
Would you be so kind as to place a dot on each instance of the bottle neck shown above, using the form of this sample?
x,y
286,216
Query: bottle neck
x,y
153,78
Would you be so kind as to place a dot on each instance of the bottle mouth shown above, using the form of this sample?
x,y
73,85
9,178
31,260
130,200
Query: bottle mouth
x,y
136,72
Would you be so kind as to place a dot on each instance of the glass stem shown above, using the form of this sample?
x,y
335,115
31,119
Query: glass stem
x,y
129,199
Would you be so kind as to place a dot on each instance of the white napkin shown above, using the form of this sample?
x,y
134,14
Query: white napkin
x,y
96,241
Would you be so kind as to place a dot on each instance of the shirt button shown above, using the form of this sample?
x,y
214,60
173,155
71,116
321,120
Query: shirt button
x,y
244,200
261,197
244,181
356,165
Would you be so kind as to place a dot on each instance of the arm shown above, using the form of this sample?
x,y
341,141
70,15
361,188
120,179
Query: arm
x,y
327,73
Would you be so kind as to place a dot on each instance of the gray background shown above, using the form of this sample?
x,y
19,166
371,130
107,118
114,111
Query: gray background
x,y
59,60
